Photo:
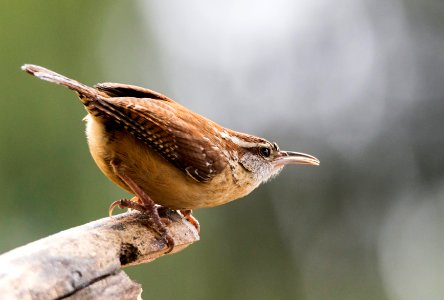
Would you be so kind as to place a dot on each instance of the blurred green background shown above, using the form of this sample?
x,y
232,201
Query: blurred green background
x,y
358,84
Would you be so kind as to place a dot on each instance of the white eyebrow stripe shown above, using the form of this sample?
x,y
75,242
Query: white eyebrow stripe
x,y
241,143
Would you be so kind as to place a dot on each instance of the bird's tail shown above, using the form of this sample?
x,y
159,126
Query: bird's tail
x,y
86,93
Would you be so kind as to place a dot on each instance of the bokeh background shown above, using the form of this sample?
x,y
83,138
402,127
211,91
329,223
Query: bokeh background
x,y
358,83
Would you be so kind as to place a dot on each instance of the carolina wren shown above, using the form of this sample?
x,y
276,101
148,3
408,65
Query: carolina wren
x,y
165,154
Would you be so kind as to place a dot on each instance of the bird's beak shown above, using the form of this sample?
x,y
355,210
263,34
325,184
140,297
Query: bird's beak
x,y
288,157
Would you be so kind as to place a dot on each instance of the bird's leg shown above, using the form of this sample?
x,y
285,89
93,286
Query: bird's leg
x,y
146,206
187,214
134,203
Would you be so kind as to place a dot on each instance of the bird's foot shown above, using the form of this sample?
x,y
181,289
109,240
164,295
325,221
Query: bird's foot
x,y
154,221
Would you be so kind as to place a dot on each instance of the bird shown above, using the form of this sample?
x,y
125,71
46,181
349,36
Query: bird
x,y
166,155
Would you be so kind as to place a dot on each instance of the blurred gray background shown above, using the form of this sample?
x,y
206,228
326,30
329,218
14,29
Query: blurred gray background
x,y
359,84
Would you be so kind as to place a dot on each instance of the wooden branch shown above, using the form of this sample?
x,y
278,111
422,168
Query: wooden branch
x,y
85,262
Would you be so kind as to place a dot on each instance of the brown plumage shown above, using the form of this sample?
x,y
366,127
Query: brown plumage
x,y
166,154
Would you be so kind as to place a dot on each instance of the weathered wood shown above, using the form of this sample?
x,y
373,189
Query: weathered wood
x,y
85,262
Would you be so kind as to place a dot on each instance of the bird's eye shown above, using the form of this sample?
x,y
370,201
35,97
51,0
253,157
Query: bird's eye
x,y
265,151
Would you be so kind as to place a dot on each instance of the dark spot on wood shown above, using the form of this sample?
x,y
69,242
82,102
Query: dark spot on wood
x,y
76,275
118,226
128,254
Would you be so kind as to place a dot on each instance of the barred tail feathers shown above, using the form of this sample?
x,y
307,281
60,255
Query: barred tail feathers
x,y
86,93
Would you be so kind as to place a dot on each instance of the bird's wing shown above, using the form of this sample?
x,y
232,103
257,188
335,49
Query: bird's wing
x,y
156,123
